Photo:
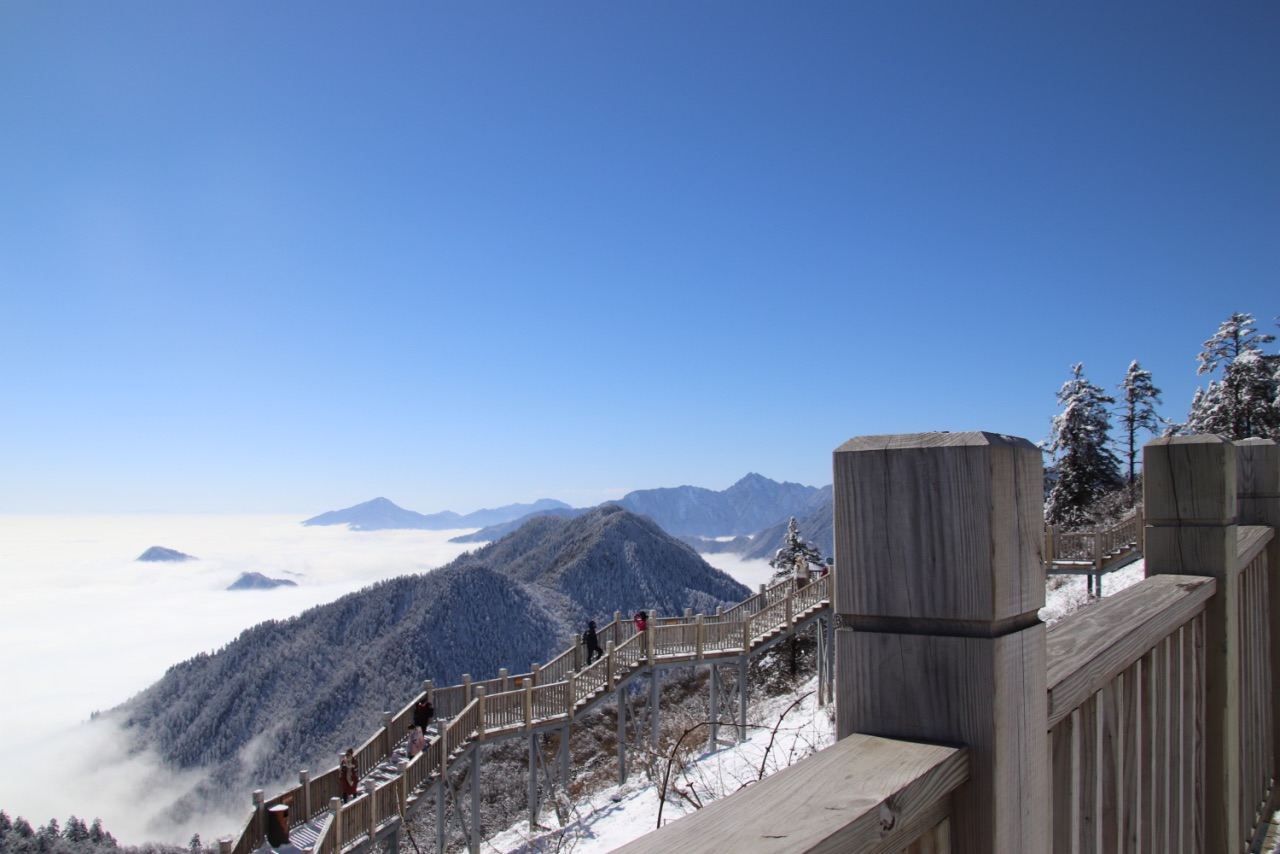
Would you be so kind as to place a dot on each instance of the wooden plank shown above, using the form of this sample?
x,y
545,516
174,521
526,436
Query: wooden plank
x,y
1089,830
1111,708
1090,647
1251,540
1065,761
1135,781
862,794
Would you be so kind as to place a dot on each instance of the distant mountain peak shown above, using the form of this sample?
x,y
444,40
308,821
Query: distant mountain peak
x,y
381,514
160,553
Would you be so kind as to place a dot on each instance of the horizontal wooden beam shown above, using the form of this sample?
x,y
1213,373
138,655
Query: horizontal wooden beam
x,y
1088,649
864,794
1250,541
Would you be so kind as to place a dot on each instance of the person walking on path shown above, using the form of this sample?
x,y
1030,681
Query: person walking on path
x,y
417,741
424,713
642,621
802,571
349,775
592,642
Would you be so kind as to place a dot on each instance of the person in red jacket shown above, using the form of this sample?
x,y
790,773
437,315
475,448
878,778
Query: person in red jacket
x,y
349,775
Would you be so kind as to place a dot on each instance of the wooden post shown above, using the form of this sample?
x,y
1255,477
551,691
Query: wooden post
x,y
528,704
335,807
466,689
1099,556
572,701
533,669
304,781
402,765
790,610
480,692
701,638
1258,503
1048,546
388,742
428,688
1189,501
608,664
504,676
939,543
369,785
225,844
260,806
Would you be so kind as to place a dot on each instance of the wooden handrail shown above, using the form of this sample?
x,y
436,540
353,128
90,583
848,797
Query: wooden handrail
x,y
550,701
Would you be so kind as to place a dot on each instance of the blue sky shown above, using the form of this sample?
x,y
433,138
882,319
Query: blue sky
x,y
289,256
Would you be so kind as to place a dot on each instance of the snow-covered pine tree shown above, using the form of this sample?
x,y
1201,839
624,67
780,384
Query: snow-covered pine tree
x,y
784,560
1245,402
1137,413
1084,466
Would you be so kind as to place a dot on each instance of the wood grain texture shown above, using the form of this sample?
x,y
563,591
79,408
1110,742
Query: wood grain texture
x,y
973,691
863,794
1091,647
1189,479
939,526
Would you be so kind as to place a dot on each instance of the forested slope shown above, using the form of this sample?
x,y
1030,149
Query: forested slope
x,y
290,694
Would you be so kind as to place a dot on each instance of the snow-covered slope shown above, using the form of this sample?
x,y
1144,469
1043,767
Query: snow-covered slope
x,y
784,730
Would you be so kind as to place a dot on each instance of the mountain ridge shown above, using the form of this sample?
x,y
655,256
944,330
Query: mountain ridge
x,y
291,693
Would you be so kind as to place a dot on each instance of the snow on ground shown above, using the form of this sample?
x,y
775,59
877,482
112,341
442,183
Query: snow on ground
x,y
615,816
782,731
1067,593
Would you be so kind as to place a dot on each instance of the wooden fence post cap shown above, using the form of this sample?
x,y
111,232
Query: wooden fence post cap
x,y
946,516
1258,468
939,439
1189,479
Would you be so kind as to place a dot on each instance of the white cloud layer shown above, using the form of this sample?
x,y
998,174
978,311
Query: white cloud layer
x,y
84,626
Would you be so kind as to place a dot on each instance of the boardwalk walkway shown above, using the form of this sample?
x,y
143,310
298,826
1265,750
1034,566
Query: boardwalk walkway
x,y
547,699
1094,553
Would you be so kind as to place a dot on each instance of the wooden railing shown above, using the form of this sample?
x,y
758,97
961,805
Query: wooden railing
x,y
1096,552
1155,709
1126,687
474,711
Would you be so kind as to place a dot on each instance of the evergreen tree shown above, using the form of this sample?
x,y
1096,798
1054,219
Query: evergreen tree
x,y
784,560
1246,400
1137,412
1084,467
1237,335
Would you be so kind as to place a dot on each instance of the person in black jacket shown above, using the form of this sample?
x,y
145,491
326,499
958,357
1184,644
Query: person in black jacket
x,y
592,642
423,713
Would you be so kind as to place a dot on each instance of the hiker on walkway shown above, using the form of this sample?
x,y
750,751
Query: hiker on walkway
x,y
592,642
349,775
642,621
417,741
424,713
802,571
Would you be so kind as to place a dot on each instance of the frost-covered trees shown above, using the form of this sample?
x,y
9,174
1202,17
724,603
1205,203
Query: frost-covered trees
x,y
1137,412
784,561
1244,402
1084,467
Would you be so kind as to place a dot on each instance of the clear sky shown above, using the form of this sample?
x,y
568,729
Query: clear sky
x,y
287,256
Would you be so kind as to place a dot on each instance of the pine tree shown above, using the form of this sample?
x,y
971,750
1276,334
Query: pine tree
x,y
1245,402
784,560
1137,413
1084,467
1236,335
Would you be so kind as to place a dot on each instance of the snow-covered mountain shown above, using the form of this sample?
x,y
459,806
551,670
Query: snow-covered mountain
x,y
694,514
290,694
381,514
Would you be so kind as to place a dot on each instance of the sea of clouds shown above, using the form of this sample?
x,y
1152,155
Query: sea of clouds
x,y
84,626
